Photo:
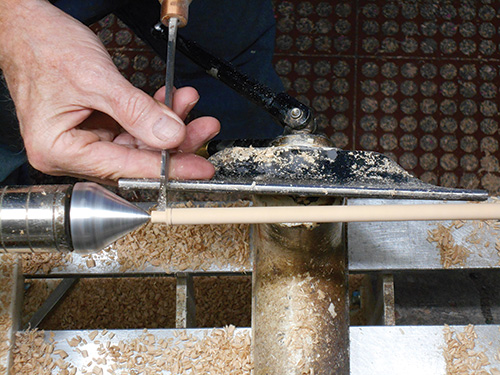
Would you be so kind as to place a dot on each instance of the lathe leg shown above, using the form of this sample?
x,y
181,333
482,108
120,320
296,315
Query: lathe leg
x,y
299,313
11,301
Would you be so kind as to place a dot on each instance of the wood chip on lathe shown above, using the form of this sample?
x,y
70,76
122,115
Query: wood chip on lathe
x,y
461,355
456,254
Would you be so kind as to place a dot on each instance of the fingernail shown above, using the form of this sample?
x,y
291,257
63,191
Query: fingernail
x,y
190,106
214,134
166,128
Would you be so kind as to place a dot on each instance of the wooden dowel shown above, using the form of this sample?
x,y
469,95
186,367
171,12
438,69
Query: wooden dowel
x,y
326,214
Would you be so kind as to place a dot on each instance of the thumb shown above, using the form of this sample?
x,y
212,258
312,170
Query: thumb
x,y
145,118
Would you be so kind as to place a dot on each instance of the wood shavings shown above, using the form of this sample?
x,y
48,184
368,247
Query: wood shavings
x,y
451,253
182,247
98,303
481,231
213,353
331,310
90,262
217,351
223,300
61,353
32,355
93,335
75,341
44,263
461,355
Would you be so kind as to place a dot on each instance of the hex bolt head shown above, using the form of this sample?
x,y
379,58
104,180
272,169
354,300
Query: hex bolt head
x,y
295,113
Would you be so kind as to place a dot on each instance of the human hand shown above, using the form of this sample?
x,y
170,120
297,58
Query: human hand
x,y
78,116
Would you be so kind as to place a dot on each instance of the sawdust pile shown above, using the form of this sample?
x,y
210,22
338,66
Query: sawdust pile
x,y
217,351
33,355
115,303
127,303
223,300
461,355
35,295
44,263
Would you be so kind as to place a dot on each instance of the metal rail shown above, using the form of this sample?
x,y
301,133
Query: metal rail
x,y
409,350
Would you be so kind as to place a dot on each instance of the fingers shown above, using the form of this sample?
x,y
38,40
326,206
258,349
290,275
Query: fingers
x,y
96,149
128,140
159,127
105,161
184,100
102,125
143,117
190,167
198,132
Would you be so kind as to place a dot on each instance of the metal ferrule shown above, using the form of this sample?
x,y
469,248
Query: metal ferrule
x,y
175,9
34,219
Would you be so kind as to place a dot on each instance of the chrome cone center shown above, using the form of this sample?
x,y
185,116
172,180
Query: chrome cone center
x,y
98,217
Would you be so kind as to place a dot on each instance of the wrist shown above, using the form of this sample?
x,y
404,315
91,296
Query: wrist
x,y
15,19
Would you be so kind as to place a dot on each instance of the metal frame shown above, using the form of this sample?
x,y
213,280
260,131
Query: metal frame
x,y
11,293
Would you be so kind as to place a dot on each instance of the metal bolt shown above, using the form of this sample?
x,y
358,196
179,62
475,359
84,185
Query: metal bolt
x,y
295,113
